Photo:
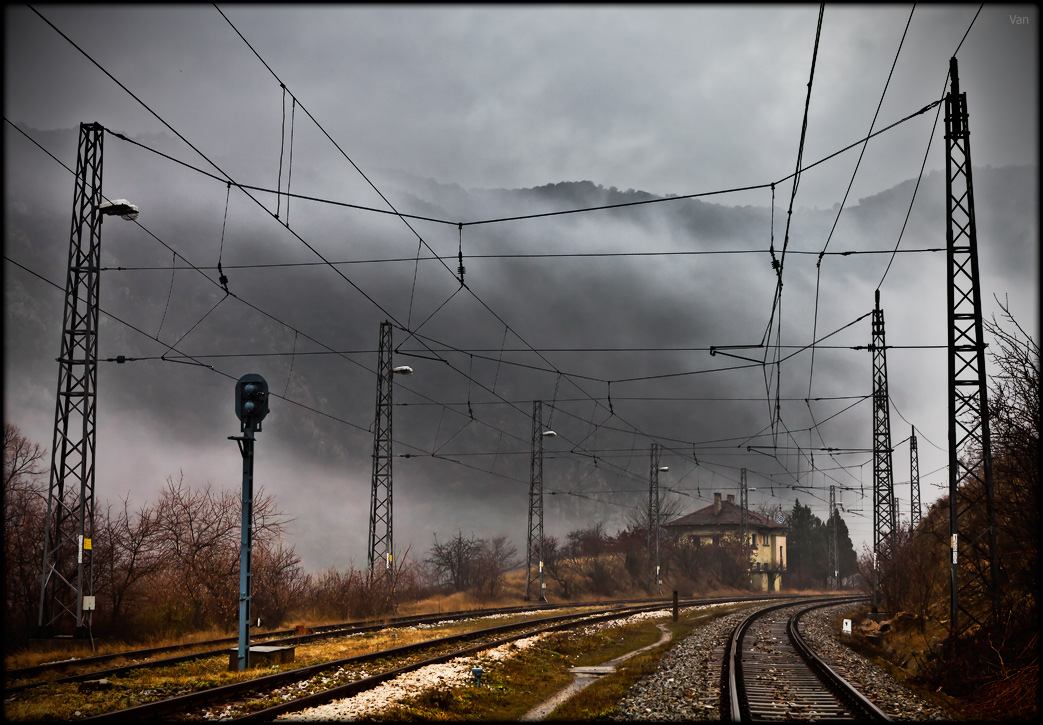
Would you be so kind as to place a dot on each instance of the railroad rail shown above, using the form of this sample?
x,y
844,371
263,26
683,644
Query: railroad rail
x,y
94,668
770,673
395,661
317,684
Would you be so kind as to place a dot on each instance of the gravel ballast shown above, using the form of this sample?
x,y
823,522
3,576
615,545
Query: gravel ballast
x,y
687,683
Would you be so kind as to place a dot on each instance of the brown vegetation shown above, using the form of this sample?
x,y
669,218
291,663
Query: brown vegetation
x,y
993,663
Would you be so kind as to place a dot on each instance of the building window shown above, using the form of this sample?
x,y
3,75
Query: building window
x,y
764,539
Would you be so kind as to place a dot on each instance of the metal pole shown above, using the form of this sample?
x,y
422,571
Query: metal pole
x,y
67,572
534,544
971,511
246,447
744,524
914,482
380,527
653,520
834,552
884,528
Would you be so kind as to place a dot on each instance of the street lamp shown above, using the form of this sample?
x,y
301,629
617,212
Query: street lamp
x,y
119,207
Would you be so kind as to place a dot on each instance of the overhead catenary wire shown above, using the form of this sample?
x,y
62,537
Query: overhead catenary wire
x,y
506,329
847,192
778,264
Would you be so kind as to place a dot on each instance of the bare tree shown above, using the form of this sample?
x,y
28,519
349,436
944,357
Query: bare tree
x,y
559,563
472,564
279,583
25,511
452,561
594,559
129,553
1014,427
24,461
200,531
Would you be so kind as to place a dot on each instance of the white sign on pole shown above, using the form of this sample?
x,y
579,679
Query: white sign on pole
x,y
847,626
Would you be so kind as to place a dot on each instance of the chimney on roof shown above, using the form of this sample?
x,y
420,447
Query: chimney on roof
x,y
716,504
731,498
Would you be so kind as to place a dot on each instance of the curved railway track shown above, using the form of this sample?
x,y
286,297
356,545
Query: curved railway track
x,y
770,673
296,687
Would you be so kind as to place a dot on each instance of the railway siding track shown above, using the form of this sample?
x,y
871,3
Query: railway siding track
x,y
95,667
341,678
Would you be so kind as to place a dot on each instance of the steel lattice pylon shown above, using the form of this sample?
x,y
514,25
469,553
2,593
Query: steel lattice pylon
x,y
914,482
884,524
831,539
653,522
67,582
534,544
380,530
744,521
975,599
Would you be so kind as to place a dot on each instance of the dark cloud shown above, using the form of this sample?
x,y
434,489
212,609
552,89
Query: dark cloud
x,y
465,116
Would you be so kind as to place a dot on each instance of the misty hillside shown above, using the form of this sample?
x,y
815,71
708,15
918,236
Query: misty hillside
x,y
608,316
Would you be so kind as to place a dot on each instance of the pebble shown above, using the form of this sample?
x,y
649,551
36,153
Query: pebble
x,y
686,685
365,705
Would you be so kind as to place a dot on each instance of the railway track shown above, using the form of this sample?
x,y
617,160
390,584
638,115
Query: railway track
x,y
265,695
97,667
101,666
310,686
770,673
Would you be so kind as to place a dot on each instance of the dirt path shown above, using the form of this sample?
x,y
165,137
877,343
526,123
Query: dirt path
x,y
584,676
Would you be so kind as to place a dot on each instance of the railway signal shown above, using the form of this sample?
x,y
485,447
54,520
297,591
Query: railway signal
x,y
251,407
251,401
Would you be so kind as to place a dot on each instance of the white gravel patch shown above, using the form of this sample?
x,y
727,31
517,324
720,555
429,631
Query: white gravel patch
x,y
455,673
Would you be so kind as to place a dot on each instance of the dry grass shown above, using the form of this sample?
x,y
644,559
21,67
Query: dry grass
x,y
70,701
916,659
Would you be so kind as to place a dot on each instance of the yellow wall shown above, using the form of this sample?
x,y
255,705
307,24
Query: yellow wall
x,y
762,553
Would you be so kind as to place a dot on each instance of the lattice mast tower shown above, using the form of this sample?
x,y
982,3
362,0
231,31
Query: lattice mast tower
x,y
831,539
67,582
744,520
974,597
914,482
534,544
653,521
379,557
884,524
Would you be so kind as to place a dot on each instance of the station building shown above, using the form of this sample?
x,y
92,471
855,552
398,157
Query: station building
x,y
711,525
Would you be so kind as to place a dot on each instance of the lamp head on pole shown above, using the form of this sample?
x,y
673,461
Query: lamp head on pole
x,y
119,207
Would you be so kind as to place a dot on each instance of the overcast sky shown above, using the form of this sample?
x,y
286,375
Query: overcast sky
x,y
441,111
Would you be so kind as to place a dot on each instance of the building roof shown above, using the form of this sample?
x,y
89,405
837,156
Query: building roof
x,y
729,515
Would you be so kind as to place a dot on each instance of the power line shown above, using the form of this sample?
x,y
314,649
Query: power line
x,y
555,255
850,183
506,327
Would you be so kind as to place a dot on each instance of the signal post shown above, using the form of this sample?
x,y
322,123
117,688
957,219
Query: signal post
x,y
251,406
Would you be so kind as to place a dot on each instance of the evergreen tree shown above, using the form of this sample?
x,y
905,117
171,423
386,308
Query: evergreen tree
x,y
848,559
808,541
